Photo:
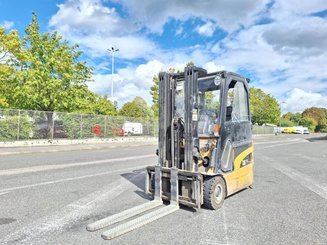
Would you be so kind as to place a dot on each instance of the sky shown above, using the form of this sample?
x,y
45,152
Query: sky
x,y
280,45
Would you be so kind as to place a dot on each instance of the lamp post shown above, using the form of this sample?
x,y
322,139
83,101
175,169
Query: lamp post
x,y
112,50
280,118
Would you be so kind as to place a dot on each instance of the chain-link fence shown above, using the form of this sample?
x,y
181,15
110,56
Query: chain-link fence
x,y
24,125
264,129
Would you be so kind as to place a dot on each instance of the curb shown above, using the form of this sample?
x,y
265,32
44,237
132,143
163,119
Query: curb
x,y
33,147
63,142
9,153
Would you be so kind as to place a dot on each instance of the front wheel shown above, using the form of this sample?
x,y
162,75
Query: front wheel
x,y
214,192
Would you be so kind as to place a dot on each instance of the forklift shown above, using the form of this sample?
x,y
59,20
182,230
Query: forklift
x,y
205,147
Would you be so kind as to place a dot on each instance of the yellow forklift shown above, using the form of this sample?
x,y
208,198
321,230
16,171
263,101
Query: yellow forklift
x,y
205,147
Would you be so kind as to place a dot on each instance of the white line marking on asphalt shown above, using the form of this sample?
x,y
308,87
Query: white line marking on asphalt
x,y
303,179
276,141
4,193
39,231
70,179
276,145
68,165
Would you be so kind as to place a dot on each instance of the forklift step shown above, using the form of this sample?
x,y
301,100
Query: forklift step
x,y
123,215
140,221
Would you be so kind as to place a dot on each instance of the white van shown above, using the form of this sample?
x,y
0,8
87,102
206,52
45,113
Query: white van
x,y
301,130
132,128
306,131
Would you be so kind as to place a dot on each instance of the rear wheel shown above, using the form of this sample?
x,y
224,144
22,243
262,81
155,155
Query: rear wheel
x,y
214,192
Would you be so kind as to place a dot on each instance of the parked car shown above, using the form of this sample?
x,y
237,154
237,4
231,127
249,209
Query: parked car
x,y
289,131
306,131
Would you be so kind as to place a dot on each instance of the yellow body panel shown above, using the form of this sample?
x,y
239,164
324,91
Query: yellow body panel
x,y
242,176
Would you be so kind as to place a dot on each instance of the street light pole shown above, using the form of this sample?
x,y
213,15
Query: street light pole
x,y
112,50
280,118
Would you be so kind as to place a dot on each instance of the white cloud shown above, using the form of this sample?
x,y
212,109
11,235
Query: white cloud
x,y
207,29
281,55
97,27
102,83
89,16
229,15
303,36
128,82
7,24
213,67
298,100
286,55
282,9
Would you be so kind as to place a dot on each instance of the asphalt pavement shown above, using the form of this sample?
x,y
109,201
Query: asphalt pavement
x,y
49,194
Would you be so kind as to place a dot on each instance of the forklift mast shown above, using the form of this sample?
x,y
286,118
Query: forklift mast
x,y
180,141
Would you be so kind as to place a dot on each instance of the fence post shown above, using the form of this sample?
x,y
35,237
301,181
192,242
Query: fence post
x,y
105,126
52,131
18,123
81,130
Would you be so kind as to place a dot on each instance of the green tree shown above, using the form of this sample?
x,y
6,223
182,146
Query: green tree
x,y
264,107
319,115
154,91
103,106
308,122
52,78
11,55
9,128
288,116
286,123
190,63
294,118
136,108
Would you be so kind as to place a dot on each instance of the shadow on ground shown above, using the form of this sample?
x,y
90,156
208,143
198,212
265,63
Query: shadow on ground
x,y
319,138
137,177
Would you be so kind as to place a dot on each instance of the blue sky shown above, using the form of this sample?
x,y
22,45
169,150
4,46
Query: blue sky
x,y
281,45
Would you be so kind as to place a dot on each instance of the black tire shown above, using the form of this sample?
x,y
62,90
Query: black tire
x,y
214,192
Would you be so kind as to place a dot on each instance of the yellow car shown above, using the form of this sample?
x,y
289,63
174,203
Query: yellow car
x,y
289,131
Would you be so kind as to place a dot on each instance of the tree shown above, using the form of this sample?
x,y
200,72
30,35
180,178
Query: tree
x,y
296,118
103,106
308,122
286,123
11,53
51,78
8,128
288,116
314,112
293,118
264,107
137,108
190,63
154,91
319,115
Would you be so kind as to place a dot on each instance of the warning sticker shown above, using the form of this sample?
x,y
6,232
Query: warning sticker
x,y
195,115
